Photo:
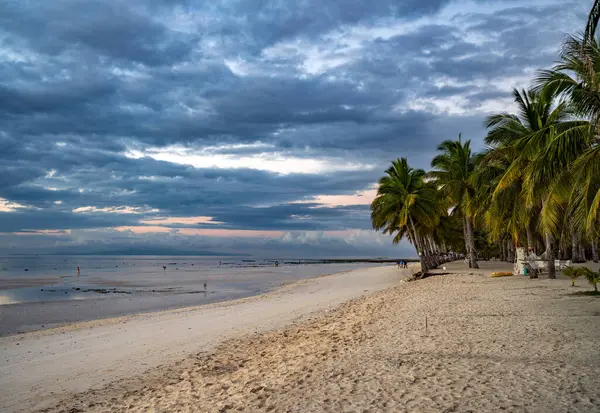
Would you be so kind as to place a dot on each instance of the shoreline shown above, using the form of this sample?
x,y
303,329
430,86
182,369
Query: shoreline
x,y
128,346
144,293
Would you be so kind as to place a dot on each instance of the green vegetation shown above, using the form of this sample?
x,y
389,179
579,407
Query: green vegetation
x,y
536,185
593,277
572,273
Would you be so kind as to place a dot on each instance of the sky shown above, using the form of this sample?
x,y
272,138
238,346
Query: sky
x,y
243,126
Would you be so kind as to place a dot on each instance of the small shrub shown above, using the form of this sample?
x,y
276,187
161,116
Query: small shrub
x,y
593,277
572,273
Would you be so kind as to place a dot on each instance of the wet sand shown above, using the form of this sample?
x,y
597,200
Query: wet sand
x,y
38,301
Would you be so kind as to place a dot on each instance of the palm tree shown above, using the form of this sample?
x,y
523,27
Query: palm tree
x,y
453,168
503,214
405,206
592,24
529,137
593,277
576,77
572,273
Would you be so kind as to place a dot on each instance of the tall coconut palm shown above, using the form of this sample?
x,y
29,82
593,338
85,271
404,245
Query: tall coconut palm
x,y
576,152
527,135
405,204
502,213
452,170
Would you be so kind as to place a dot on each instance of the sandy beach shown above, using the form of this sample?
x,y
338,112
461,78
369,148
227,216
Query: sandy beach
x,y
39,368
491,344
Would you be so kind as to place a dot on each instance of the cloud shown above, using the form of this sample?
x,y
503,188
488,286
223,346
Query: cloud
x,y
175,123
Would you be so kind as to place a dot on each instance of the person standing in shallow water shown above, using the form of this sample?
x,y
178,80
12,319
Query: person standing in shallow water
x,y
78,272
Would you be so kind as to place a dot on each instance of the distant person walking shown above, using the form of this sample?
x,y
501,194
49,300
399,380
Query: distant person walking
x,y
78,272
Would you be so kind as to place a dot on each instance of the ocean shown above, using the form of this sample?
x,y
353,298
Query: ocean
x,y
44,291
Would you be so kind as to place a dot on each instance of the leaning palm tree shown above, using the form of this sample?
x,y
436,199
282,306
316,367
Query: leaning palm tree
x,y
452,170
405,206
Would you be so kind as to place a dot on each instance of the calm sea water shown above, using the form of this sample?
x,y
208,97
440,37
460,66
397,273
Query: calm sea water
x,y
42,291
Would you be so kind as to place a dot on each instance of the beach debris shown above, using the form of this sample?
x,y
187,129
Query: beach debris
x,y
106,291
26,269
499,274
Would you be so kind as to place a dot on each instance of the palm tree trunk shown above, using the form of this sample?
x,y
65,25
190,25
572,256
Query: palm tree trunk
x,y
466,235
550,256
530,242
434,252
422,259
511,251
561,252
595,249
574,247
471,238
502,251
582,257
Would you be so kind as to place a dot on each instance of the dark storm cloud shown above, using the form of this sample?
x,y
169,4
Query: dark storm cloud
x,y
267,22
110,28
82,83
56,220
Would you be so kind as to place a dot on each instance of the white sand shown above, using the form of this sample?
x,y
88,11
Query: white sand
x,y
37,369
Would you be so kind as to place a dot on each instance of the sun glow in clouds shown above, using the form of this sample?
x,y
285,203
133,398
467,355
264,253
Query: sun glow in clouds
x,y
8,206
358,198
217,157
181,221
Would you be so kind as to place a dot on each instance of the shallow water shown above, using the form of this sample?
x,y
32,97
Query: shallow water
x,y
51,293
